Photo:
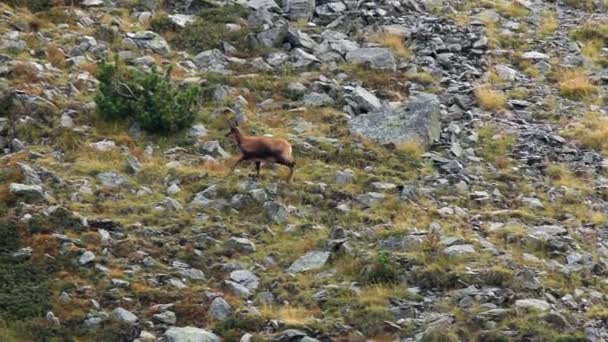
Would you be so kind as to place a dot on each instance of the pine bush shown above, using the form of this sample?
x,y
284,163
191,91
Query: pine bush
x,y
151,99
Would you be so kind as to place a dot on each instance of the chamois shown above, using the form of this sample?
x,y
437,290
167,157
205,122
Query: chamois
x,y
262,149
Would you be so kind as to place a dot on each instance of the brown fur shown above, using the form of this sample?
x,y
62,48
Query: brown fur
x,y
263,149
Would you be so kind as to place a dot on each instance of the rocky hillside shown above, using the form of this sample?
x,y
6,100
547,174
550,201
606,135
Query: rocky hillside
x,y
450,178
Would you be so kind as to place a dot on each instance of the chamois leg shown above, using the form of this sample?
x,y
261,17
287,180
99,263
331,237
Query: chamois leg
x,y
257,168
241,158
291,165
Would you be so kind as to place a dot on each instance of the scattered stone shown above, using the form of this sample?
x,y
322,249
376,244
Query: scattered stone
x,y
123,315
190,334
309,261
220,309
240,245
86,258
375,58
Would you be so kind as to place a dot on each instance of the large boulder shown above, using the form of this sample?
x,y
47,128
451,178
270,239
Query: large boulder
x,y
190,334
299,9
211,60
417,121
151,41
28,192
375,58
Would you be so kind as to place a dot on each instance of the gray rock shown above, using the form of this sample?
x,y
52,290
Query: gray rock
x,y
299,9
245,278
418,121
169,203
112,179
459,250
198,131
533,203
364,100
190,334
104,145
182,20
133,164
345,176
375,58
214,149
532,304
273,37
241,245
86,258
211,61
123,315
547,231
150,40
397,30
92,3
317,99
166,317
276,212
220,309
309,261
383,186
17,145
260,4
505,72
27,192
535,56
192,274
299,38
173,189
371,198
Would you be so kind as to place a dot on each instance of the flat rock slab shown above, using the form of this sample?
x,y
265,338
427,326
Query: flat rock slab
x,y
309,261
417,121
375,58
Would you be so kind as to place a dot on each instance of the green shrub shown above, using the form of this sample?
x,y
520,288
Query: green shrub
x,y
149,99
32,5
383,270
209,30
162,23
24,290
106,34
235,326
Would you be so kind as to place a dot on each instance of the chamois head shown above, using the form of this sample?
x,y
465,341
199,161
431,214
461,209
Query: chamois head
x,y
233,129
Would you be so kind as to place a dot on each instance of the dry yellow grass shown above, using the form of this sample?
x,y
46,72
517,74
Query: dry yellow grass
x,y
55,56
394,42
575,84
549,23
592,132
291,315
561,175
592,49
490,98
510,9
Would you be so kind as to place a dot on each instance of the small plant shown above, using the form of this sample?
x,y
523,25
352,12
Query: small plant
x,y
394,42
549,23
149,99
495,145
162,23
510,9
55,56
209,30
591,30
380,271
575,84
490,99
592,132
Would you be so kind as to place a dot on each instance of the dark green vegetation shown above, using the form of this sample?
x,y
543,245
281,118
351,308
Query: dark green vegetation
x,y
151,100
